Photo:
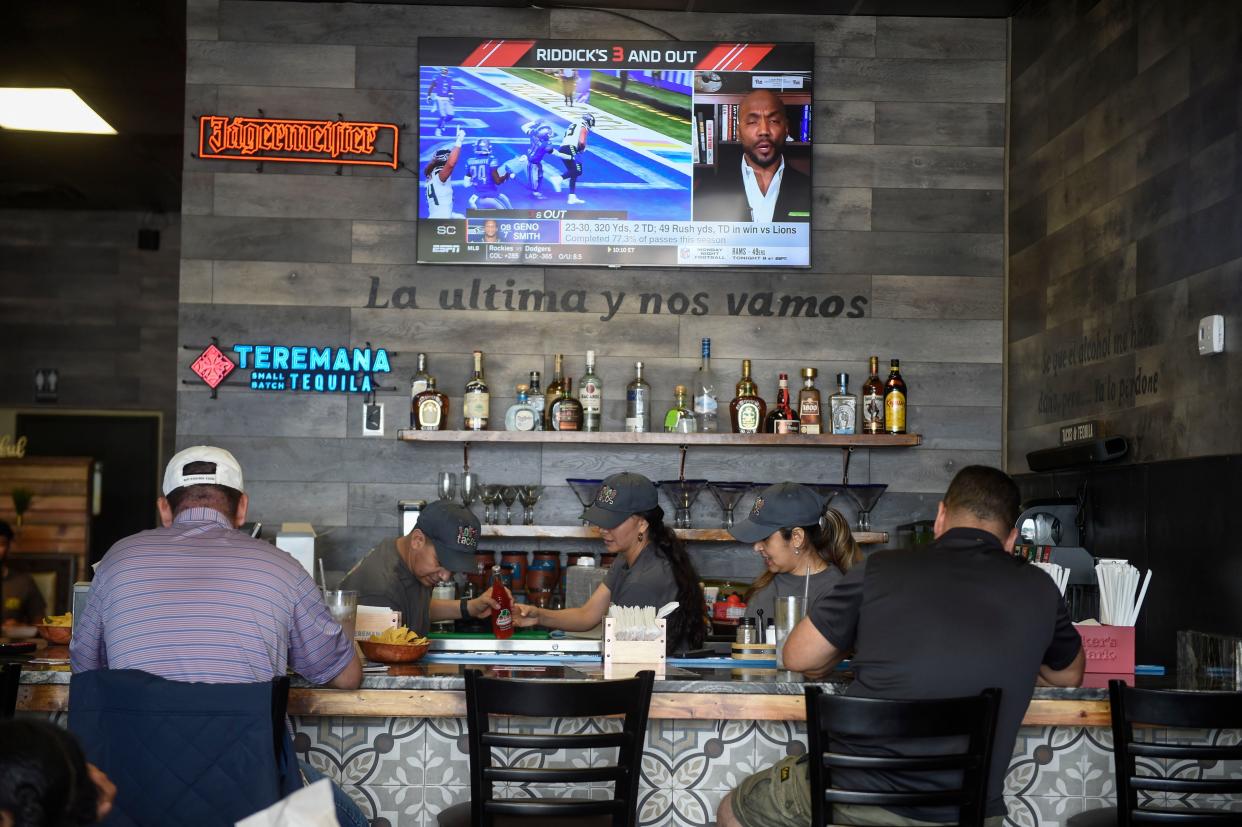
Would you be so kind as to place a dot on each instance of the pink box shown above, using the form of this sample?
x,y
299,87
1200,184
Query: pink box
x,y
1109,648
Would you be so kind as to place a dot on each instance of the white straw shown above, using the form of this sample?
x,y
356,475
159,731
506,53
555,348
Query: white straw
x,y
323,581
1142,596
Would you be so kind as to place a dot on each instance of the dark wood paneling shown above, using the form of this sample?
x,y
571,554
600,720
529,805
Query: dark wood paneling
x,y
907,234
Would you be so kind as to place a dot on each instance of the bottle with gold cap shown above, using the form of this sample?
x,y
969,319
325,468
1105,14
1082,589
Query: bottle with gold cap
x,y
810,417
680,419
747,410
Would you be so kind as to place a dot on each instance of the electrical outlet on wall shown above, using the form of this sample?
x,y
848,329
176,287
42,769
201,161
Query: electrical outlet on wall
x,y
372,419
1211,335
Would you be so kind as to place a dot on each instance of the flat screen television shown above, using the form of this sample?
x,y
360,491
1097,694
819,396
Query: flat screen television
x,y
614,153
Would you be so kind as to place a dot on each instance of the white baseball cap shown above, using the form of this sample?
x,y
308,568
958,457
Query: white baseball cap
x,y
228,472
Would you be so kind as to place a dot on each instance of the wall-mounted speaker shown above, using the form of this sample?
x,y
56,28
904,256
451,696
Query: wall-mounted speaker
x,y
1077,454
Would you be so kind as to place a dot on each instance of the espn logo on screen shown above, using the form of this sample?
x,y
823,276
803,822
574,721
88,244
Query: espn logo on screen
x,y
445,248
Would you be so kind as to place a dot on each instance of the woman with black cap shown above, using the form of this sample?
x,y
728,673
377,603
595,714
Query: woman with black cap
x,y
805,556
652,568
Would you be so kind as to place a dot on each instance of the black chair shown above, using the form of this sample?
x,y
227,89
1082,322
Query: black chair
x,y
1176,710
571,699
872,721
9,676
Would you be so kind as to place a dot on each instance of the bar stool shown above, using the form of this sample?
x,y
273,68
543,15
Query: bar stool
x,y
569,699
1177,710
871,719
205,754
9,677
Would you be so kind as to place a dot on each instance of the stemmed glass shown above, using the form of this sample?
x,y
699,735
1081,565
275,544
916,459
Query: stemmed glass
x,y
469,488
682,493
507,495
585,491
447,485
728,494
865,497
490,496
529,495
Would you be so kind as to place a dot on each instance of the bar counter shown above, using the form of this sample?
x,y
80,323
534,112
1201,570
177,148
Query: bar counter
x,y
436,690
398,744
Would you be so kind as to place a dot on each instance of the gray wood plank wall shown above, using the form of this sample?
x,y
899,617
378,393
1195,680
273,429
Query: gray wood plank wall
x,y
908,186
1124,207
76,294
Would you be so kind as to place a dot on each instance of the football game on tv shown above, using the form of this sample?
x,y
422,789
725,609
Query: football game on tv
x,y
614,153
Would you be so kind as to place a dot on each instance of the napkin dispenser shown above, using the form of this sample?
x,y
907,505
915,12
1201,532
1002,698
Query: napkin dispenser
x,y
628,654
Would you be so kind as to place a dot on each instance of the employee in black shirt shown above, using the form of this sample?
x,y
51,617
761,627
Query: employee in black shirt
x,y
952,619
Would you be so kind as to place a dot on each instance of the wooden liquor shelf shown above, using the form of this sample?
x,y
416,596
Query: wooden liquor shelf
x,y
661,438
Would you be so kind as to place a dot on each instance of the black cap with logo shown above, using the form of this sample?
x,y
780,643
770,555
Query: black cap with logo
x,y
455,532
620,496
784,505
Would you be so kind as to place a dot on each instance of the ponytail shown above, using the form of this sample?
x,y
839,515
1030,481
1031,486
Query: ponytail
x,y
688,624
831,539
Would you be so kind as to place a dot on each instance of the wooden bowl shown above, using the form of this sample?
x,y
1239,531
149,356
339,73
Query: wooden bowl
x,y
394,652
58,635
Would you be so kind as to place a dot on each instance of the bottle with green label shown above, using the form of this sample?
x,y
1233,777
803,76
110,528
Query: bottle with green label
x,y
680,419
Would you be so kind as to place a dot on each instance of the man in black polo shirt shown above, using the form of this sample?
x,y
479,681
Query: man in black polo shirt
x,y
953,619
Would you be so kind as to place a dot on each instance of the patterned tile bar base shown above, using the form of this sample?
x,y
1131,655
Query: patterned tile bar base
x,y
403,771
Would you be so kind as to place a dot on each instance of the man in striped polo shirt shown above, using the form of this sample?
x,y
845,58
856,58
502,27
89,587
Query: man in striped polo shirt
x,y
200,601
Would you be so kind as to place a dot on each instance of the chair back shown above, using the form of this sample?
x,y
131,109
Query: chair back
x,y
970,719
630,698
184,753
10,674
1177,710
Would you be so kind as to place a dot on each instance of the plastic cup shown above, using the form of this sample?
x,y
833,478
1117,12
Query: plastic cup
x,y
343,606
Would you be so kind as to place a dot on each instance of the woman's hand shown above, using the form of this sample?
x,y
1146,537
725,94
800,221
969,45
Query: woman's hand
x,y
105,791
525,614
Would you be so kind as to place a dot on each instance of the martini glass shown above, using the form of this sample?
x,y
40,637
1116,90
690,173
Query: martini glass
x,y
585,491
865,497
682,494
728,494
529,495
490,496
507,495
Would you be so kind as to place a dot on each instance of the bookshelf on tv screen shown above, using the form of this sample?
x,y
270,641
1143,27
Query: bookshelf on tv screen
x,y
614,153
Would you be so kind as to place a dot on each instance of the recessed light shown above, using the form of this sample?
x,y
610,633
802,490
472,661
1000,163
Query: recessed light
x,y
49,110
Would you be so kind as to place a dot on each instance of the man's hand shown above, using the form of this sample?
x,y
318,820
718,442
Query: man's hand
x,y
483,605
105,791
525,614
461,136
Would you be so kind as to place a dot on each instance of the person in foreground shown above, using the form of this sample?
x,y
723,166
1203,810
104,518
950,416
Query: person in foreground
x,y
45,780
804,557
400,573
653,569
200,601
952,619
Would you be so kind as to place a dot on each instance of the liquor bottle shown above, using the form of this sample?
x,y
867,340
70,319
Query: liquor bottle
x,y
431,408
418,384
534,395
476,402
705,404
502,617
809,413
638,403
680,419
747,410
873,401
782,419
591,396
553,391
522,416
844,406
895,400
567,411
